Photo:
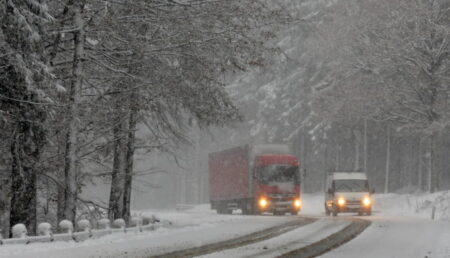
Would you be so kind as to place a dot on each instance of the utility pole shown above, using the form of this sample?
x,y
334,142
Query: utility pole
x,y
365,145
388,159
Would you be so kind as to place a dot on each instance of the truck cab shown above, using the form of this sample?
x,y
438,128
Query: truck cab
x,y
277,184
348,192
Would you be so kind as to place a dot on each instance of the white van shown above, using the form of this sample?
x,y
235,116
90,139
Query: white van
x,y
348,192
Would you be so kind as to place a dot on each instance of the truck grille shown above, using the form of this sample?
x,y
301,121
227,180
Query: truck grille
x,y
281,196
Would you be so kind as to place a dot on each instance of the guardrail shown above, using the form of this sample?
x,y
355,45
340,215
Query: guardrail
x,y
84,230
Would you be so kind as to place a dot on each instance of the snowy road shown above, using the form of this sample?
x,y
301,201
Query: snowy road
x,y
287,242
398,237
401,227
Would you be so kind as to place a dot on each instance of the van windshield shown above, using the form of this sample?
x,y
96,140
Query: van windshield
x,y
351,185
278,173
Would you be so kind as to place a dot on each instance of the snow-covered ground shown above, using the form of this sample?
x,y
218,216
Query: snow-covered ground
x,y
287,242
398,237
415,205
401,227
190,228
419,205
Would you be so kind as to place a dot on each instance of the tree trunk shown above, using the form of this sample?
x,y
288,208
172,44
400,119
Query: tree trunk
x,y
129,168
388,159
23,179
433,175
420,172
337,158
60,188
357,138
305,157
5,205
365,145
197,169
302,160
116,197
61,203
70,169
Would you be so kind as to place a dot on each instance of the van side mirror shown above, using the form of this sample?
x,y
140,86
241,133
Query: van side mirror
x,y
330,191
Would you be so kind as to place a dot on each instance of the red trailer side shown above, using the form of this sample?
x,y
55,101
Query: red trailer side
x,y
229,174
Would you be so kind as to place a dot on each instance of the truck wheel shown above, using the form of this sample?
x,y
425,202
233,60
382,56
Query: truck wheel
x,y
335,213
246,208
256,210
222,208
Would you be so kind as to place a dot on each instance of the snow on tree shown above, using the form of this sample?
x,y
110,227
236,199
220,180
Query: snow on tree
x,y
24,99
392,65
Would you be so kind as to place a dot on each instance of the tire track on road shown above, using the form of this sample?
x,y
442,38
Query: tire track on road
x,y
331,242
240,241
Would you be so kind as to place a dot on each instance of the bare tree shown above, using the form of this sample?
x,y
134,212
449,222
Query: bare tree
x,y
402,58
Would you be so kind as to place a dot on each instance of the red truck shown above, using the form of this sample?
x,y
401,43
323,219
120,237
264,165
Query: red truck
x,y
255,179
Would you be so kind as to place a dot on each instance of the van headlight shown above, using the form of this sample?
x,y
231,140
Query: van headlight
x,y
366,201
341,201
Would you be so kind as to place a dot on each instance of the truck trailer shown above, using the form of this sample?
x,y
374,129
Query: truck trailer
x,y
255,179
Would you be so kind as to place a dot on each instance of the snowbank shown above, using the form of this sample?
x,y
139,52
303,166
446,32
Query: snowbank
x,y
180,230
422,205
409,205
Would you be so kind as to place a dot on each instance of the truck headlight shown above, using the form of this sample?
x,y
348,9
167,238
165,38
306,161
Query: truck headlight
x,y
341,201
262,202
298,203
366,201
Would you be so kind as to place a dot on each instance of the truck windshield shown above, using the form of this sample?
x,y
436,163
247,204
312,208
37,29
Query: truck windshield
x,y
278,173
351,185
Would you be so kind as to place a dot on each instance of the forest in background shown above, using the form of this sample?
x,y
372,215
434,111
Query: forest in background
x,y
77,78
356,85
352,85
360,85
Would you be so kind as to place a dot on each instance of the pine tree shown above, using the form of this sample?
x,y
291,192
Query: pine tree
x,y
24,99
